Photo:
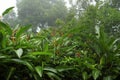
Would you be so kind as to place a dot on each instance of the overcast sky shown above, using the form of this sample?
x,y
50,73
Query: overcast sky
x,y
4,4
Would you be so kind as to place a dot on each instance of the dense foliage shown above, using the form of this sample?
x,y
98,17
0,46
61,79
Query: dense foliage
x,y
82,48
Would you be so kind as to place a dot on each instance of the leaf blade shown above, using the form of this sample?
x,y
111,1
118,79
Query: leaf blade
x,y
7,11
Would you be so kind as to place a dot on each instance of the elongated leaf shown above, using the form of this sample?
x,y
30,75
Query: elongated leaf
x,y
7,48
4,42
52,75
41,53
2,56
1,37
21,31
107,78
46,47
28,64
7,11
95,74
102,61
64,68
85,75
39,70
50,69
6,27
10,73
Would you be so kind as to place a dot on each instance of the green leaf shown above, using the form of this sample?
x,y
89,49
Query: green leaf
x,y
22,30
64,68
7,11
46,47
52,75
28,64
1,37
4,42
10,73
2,56
39,70
107,78
7,48
19,52
6,27
50,69
85,75
102,60
40,53
95,74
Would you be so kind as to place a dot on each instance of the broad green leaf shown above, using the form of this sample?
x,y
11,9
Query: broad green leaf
x,y
7,11
19,52
95,74
85,75
39,70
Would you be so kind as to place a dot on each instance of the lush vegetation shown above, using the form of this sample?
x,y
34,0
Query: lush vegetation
x,y
83,48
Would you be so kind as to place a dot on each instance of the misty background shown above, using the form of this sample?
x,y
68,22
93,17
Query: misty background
x,y
48,13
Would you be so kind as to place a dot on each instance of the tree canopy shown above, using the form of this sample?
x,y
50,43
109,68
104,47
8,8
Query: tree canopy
x,y
37,12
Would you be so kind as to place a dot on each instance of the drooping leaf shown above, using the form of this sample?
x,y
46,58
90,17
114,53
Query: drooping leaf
x,y
26,63
7,11
39,70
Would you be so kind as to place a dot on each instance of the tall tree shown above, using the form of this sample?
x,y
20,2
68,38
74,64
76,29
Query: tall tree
x,y
37,12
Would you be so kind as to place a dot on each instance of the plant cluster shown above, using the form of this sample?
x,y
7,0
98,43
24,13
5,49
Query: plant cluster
x,y
71,52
